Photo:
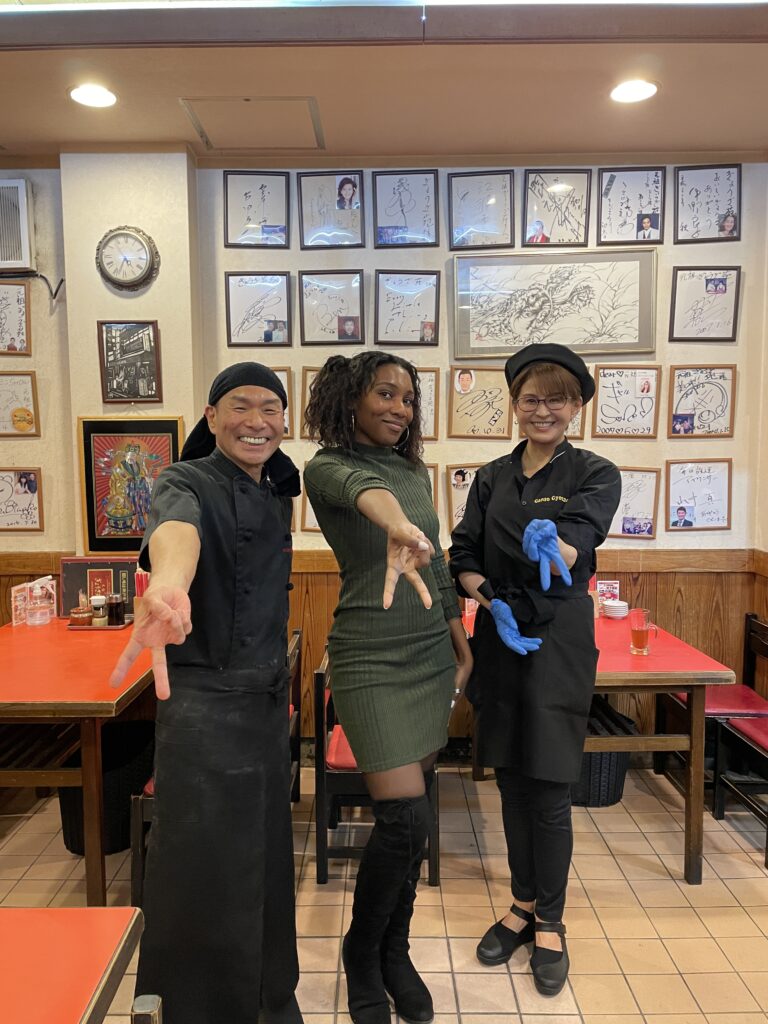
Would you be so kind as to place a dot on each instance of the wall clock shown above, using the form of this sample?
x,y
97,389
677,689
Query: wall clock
x,y
127,258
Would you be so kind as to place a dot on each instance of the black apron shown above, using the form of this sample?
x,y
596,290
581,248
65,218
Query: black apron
x,y
531,710
220,941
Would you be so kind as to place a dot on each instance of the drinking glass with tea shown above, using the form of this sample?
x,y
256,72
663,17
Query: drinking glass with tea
x,y
640,627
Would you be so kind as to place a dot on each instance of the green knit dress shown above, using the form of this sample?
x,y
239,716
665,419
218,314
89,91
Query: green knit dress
x,y
392,671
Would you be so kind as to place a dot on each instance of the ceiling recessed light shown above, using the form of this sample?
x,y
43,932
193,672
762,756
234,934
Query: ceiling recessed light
x,y
634,91
91,95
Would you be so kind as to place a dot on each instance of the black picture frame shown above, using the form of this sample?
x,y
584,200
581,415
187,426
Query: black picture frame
x,y
642,202
556,173
325,223
409,196
109,475
258,331
414,322
129,362
275,235
338,308
711,211
507,241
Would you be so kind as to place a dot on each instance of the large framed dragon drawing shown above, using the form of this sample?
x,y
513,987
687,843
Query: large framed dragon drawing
x,y
596,302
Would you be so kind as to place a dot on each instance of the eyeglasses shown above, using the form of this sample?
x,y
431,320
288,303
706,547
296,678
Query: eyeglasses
x,y
529,403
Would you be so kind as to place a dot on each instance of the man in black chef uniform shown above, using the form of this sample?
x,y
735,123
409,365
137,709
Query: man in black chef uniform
x,y
220,940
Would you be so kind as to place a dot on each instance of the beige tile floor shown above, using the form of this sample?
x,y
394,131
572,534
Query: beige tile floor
x,y
644,945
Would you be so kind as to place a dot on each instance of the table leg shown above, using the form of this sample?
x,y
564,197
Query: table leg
x,y
694,787
93,812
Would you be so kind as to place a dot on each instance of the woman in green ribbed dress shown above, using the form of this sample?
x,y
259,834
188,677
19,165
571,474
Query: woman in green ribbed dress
x,y
398,653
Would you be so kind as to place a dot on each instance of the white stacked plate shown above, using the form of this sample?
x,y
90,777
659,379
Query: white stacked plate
x,y
613,609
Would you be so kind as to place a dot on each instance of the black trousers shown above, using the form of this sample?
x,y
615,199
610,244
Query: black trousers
x,y
537,825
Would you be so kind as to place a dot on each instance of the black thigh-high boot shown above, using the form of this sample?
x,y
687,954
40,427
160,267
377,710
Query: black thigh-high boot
x,y
401,979
400,831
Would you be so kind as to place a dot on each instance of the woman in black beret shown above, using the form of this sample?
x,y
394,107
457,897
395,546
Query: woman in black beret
x,y
525,550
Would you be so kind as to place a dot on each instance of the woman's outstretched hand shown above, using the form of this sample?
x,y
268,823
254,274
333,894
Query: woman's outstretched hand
x,y
163,616
408,550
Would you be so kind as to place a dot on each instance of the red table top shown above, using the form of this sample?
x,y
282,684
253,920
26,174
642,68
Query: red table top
x,y
668,659
55,963
51,668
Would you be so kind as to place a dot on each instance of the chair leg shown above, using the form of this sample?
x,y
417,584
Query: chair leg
x,y
321,829
721,760
138,850
147,1010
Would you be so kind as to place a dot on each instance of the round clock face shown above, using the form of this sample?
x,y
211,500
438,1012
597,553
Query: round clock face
x,y
127,258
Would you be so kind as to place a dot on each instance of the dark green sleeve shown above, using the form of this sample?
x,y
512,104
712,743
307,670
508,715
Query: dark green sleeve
x,y
334,481
445,585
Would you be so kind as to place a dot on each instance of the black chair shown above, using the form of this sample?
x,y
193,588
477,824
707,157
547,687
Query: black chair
x,y
722,702
742,759
142,805
339,783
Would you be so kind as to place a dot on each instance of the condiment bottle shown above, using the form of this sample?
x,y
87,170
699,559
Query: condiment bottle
x,y
99,605
115,610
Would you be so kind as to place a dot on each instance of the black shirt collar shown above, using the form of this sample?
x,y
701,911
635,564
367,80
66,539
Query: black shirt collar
x,y
517,453
279,472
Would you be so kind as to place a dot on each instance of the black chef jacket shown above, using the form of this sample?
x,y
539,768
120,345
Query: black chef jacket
x,y
220,937
531,710
239,595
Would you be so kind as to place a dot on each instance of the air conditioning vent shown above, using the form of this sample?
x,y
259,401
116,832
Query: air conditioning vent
x,y
17,232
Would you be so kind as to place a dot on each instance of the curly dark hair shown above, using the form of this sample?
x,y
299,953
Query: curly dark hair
x,y
337,389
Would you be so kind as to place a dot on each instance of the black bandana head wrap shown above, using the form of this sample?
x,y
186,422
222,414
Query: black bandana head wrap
x,y
201,442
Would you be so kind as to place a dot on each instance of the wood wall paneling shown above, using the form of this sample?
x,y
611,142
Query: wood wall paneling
x,y
700,596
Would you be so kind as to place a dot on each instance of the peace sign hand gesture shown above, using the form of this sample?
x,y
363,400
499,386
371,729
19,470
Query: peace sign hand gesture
x,y
163,616
408,550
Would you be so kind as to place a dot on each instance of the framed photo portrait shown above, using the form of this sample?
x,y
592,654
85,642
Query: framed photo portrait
x,y
705,303
556,207
405,209
256,210
699,495
433,469
459,480
635,517
21,500
286,379
626,402
308,374
479,405
630,205
258,309
331,307
15,319
331,210
19,411
120,460
129,361
708,203
596,302
407,307
429,384
481,210
702,401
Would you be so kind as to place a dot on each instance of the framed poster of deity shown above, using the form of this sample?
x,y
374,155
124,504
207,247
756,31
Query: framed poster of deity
x,y
120,461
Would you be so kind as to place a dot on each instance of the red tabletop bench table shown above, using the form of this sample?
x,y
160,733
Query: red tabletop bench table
x,y
52,677
671,666
63,966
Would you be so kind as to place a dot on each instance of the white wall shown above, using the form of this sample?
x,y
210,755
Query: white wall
x,y
150,191
183,211
51,451
747,352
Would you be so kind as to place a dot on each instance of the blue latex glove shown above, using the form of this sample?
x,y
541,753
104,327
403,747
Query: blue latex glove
x,y
540,545
507,629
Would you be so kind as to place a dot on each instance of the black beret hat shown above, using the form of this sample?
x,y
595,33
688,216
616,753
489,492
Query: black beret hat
x,y
549,353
